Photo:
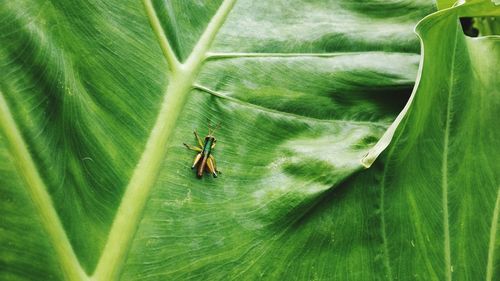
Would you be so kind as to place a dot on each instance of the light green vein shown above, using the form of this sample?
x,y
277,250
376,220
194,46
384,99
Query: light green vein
x,y
200,50
146,172
39,195
444,168
284,113
168,52
213,56
493,235
383,225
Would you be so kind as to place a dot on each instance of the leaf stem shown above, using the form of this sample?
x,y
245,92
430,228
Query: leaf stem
x,y
39,195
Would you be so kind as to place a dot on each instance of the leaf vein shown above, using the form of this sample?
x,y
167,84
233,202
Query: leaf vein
x,y
168,52
493,234
444,168
252,105
39,195
144,176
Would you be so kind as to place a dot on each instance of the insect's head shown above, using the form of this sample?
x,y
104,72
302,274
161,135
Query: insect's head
x,y
210,137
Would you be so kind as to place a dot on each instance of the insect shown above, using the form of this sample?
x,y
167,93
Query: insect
x,y
204,160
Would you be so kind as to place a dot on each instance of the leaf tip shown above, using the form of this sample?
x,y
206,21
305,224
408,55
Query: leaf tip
x,y
368,160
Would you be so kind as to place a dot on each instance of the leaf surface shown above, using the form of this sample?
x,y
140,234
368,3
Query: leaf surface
x,y
95,111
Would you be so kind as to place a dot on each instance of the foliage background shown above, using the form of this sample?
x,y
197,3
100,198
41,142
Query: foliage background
x,y
97,98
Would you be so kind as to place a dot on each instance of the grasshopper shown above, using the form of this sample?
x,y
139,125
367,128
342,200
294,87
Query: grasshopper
x,y
204,160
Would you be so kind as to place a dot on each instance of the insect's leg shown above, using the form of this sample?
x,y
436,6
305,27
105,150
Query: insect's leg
x,y
215,164
211,166
213,145
196,160
195,148
200,142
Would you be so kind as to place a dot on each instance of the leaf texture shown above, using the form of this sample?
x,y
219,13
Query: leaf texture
x,y
102,95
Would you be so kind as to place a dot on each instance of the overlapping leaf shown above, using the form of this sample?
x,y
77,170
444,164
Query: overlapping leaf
x,y
440,191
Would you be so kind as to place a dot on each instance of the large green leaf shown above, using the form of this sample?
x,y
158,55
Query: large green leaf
x,y
95,106
439,190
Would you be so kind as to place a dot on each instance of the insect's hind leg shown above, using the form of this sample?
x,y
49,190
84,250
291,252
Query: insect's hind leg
x,y
211,166
211,157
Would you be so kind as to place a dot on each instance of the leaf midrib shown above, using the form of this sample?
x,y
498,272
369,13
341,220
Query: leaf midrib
x,y
143,177
181,77
444,167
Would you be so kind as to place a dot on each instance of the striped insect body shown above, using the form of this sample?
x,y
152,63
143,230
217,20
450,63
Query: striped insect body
x,y
204,160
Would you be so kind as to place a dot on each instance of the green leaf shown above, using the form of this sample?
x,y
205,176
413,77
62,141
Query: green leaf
x,y
98,97
440,191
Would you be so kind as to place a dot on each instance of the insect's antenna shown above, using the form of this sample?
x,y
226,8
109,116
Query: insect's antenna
x,y
216,127
211,129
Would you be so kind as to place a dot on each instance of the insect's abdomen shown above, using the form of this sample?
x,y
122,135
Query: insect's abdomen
x,y
201,166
